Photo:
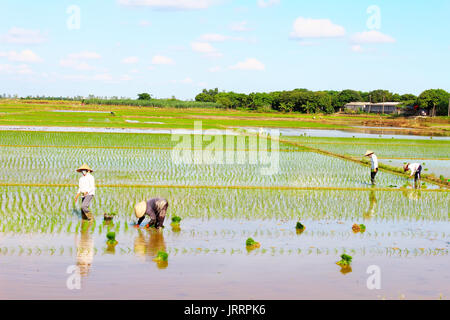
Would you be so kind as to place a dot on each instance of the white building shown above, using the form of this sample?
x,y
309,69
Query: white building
x,y
381,107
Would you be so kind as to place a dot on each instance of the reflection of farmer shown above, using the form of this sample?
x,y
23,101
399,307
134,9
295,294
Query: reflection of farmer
x,y
154,208
374,164
412,194
150,246
416,169
85,249
372,206
86,189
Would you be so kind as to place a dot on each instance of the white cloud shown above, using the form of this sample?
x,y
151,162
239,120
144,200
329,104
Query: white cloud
x,y
250,64
205,48
23,36
169,4
77,60
372,36
162,60
23,56
316,28
214,37
267,3
240,26
15,69
130,60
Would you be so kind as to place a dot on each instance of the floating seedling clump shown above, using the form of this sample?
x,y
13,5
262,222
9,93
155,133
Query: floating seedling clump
x,y
161,259
111,236
161,256
299,227
358,228
109,216
252,244
176,223
345,261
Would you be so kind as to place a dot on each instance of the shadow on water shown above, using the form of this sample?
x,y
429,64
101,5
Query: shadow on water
x,y
85,248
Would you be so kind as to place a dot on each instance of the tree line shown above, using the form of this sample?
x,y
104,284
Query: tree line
x,y
329,101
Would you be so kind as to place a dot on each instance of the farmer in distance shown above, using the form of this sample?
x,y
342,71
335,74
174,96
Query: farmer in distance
x,y
87,190
416,170
155,209
374,165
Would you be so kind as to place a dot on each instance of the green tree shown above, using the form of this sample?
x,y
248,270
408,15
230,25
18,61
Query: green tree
x,y
431,98
144,96
379,95
346,96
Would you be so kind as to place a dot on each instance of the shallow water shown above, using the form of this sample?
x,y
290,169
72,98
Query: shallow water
x,y
349,133
208,259
337,133
41,235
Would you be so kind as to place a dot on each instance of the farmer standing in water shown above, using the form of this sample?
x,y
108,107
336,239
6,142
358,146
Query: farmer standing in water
x,y
87,190
374,165
416,170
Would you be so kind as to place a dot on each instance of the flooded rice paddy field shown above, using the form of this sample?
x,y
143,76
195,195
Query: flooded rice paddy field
x,y
42,235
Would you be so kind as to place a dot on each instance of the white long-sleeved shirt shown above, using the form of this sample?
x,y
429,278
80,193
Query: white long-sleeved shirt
x,y
374,161
413,167
87,184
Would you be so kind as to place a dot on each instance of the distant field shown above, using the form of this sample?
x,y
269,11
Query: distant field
x,y
47,113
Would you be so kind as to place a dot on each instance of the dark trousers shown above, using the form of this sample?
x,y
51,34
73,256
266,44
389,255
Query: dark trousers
x,y
417,174
85,202
372,176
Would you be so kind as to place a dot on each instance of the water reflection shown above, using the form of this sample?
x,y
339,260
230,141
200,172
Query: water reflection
x,y
346,269
85,248
412,194
147,244
372,206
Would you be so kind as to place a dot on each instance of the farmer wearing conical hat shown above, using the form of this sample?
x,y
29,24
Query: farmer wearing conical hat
x,y
374,165
155,209
416,170
86,189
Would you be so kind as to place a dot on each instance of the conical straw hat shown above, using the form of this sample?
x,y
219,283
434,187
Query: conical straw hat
x,y
368,153
139,209
84,167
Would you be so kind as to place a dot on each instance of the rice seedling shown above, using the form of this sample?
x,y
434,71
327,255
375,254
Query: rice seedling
x,y
251,244
111,239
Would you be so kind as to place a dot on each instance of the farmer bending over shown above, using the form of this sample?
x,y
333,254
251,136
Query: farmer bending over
x,y
416,169
155,209
374,165
86,189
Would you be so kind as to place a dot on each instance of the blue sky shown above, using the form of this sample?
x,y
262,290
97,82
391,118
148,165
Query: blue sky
x,y
179,47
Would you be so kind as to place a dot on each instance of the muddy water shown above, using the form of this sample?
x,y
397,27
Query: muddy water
x,y
208,260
